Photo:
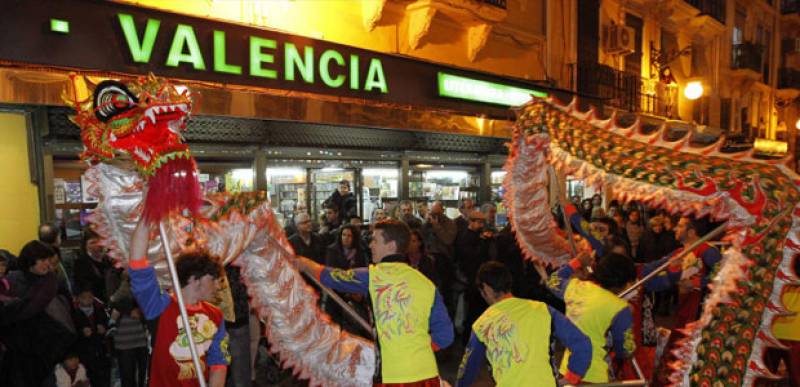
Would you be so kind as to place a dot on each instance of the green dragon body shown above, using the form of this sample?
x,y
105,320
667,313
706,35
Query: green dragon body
x,y
758,198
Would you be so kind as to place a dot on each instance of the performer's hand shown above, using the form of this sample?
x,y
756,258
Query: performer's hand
x,y
308,266
140,241
586,259
101,329
87,331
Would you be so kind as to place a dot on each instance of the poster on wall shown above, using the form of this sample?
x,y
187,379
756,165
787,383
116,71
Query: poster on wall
x,y
74,192
59,191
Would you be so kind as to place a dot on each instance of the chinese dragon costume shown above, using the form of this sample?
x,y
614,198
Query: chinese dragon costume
x,y
758,198
144,119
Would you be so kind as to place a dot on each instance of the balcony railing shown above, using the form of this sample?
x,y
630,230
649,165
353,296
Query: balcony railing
x,y
790,6
496,3
625,91
747,56
713,8
788,79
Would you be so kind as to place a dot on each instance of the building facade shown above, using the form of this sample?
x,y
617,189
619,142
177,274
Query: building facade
x,y
295,138
641,55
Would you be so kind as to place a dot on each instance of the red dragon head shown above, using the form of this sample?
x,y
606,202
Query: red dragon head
x,y
143,119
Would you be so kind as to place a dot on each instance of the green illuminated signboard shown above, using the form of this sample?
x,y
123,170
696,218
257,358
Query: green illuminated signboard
x,y
111,38
58,25
186,49
454,86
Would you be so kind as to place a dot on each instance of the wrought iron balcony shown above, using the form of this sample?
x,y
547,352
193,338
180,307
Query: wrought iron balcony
x,y
625,91
788,79
747,56
790,6
713,8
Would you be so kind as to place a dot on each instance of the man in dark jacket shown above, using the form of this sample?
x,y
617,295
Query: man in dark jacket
x,y
471,250
239,330
305,242
92,267
343,200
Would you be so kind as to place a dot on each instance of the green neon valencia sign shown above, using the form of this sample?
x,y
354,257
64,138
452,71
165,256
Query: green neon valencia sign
x,y
299,64
454,86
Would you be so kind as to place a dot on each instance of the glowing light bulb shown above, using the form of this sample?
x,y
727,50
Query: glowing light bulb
x,y
693,90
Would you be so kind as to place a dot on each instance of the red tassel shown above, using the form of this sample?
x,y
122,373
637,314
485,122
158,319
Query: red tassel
x,y
173,187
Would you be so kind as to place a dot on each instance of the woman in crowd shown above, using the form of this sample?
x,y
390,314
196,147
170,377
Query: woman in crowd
x,y
35,340
419,259
634,228
347,252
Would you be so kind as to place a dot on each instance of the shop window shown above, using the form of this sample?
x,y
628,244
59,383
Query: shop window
x,y
501,219
447,185
73,204
287,191
380,185
239,180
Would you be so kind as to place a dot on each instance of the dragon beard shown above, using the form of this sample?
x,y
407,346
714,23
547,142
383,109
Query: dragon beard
x,y
172,187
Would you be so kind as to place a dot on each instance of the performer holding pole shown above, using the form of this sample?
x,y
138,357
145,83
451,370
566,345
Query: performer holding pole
x,y
190,344
142,120
410,318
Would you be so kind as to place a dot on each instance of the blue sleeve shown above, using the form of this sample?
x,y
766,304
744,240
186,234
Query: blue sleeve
x,y
662,281
148,294
218,353
471,363
578,343
347,281
441,327
559,280
581,226
622,333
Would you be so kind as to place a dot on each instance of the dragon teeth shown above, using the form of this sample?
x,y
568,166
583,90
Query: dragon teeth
x,y
141,154
174,126
150,115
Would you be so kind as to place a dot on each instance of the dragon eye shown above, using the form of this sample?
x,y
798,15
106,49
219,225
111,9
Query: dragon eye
x,y
112,98
120,101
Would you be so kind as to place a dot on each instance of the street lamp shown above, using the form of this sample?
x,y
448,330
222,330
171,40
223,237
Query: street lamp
x,y
797,124
693,90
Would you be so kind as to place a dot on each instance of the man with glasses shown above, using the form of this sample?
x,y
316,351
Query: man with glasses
x,y
306,242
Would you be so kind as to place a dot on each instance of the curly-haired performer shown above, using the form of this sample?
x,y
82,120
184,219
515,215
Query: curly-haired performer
x,y
171,363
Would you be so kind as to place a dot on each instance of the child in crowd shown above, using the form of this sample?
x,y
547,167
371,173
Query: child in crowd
x,y
130,337
70,372
91,323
